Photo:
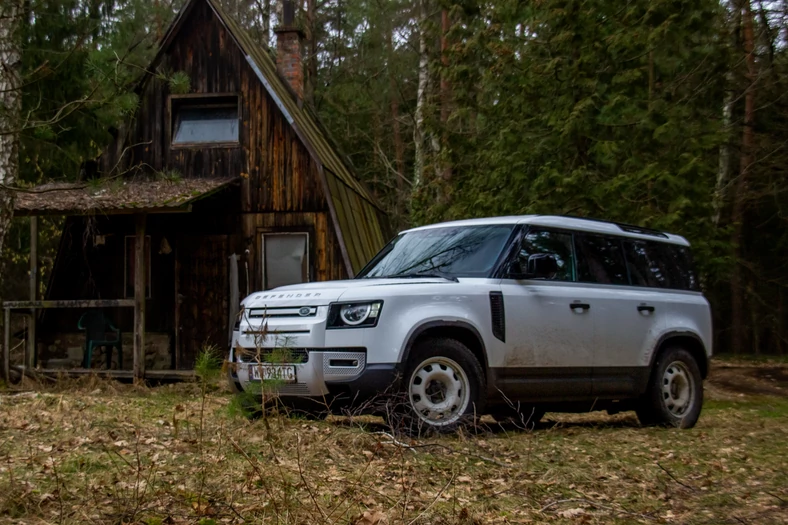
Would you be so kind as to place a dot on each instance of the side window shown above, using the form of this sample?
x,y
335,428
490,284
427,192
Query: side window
x,y
545,242
642,270
600,260
660,265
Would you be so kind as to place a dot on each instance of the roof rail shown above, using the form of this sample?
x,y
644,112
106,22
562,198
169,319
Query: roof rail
x,y
629,228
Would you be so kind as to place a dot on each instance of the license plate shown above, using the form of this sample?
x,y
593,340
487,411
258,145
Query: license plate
x,y
285,374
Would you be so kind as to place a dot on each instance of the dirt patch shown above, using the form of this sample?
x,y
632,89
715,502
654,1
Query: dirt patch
x,y
751,380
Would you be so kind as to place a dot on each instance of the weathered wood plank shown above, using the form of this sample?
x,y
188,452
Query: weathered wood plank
x,y
7,345
30,356
177,313
139,296
183,375
76,303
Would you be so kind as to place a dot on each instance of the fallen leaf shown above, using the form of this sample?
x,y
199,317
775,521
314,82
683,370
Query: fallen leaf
x,y
571,513
374,517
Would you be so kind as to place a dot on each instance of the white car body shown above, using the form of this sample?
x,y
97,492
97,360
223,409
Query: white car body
x,y
547,351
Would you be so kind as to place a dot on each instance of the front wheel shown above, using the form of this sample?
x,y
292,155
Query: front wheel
x,y
444,387
675,391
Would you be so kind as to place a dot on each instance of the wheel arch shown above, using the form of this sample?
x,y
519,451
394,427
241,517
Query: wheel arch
x,y
691,342
461,331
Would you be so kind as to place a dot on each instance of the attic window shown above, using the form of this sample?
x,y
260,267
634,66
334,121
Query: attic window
x,y
205,120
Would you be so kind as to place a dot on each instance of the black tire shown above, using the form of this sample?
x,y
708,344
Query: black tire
x,y
453,382
522,416
674,396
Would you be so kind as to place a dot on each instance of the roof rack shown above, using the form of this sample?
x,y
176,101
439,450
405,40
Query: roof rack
x,y
629,228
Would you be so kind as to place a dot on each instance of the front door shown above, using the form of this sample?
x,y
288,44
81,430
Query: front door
x,y
285,258
202,296
549,325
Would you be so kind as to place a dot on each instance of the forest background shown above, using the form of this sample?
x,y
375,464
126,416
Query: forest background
x,y
664,113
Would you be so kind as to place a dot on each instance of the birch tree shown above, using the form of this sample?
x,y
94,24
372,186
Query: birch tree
x,y
10,107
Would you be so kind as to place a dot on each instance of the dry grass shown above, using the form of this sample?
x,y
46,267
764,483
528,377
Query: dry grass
x,y
100,452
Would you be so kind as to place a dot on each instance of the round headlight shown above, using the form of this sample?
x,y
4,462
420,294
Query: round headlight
x,y
355,314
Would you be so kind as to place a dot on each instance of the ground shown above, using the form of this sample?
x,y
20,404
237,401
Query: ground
x,y
105,453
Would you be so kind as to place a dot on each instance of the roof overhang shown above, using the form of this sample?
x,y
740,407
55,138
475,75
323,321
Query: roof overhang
x,y
116,197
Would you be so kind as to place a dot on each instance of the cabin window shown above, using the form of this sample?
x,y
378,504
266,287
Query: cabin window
x,y
285,259
128,281
204,120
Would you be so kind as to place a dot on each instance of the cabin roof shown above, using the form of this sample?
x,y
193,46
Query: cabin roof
x,y
116,196
355,213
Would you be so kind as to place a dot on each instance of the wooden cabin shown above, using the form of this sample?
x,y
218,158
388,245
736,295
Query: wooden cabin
x,y
201,198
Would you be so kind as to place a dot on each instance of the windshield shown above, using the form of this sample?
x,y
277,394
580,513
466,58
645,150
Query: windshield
x,y
462,251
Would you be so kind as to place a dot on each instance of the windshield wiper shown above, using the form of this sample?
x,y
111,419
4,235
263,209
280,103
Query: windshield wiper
x,y
427,275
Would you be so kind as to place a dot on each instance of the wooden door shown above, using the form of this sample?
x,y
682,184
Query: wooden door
x,y
202,296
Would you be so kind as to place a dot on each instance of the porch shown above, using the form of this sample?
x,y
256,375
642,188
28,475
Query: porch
x,y
143,236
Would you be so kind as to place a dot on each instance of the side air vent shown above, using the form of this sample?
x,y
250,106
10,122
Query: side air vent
x,y
498,316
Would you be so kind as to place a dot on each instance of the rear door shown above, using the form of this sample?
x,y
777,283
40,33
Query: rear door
x,y
626,317
549,326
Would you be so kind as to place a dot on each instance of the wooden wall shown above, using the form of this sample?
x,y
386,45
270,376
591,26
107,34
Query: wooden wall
x,y
85,270
280,175
280,190
280,182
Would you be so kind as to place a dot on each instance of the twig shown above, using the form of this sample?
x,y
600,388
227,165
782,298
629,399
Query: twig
x,y
438,495
393,441
693,489
256,468
595,504
303,479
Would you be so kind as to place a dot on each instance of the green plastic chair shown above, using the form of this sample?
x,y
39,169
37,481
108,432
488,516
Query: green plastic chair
x,y
99,332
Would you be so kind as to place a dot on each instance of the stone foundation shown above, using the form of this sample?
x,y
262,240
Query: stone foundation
x,y
67,350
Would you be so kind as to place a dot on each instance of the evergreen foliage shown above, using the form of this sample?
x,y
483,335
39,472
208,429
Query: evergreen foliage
x,y
630,111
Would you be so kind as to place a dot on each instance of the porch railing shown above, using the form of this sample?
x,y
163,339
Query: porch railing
x,y
32,306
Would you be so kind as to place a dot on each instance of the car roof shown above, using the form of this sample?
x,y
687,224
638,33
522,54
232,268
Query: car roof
x,y
568,223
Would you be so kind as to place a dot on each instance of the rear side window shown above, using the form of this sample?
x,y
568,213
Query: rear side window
x,y
660,265
600,260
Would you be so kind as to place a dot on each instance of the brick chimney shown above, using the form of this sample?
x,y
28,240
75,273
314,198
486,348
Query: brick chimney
x,y
289,50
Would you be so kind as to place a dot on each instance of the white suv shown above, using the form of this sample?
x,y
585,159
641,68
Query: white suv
x,y
493,316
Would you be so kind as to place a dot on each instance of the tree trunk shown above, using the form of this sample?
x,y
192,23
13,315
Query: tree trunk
x,y
419,132
724,166
399,146
10,108
445,94
311,58
742,186
267,21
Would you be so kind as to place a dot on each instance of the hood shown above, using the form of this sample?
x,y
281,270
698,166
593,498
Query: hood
x,y
325,292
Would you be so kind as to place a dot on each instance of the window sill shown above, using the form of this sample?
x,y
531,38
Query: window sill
x,y
206,145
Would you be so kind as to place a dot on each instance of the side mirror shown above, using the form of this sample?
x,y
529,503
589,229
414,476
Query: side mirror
x,y
542,266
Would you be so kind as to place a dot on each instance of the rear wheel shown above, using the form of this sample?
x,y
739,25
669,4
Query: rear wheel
x,y
675,392
444,388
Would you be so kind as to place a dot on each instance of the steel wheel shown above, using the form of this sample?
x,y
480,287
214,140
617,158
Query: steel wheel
x,y
678,387
438,391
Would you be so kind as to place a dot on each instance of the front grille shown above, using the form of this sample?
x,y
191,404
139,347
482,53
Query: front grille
x,y
276,355
498,316
283,311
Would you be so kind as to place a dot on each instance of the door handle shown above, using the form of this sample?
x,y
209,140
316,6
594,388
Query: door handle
x,y
579,306
646,308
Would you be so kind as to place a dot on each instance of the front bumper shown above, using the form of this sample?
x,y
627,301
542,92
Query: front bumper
x,y
329,372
